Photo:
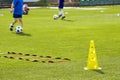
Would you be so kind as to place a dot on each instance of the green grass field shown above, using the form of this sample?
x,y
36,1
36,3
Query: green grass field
x,y
68,38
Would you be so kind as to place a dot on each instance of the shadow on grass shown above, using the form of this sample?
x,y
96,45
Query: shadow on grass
x,y
68,20
23,34
99,71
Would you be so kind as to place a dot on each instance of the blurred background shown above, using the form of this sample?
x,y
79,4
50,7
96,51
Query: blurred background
x,y
54,3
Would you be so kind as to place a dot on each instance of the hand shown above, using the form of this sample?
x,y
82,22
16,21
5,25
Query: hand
x,y
11,10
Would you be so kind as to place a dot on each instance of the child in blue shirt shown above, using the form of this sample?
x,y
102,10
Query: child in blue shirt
x,y
17,10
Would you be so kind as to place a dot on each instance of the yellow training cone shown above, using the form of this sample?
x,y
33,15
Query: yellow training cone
x,y
92,58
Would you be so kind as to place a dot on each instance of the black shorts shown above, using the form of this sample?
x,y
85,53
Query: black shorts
x,y
17,16
61,5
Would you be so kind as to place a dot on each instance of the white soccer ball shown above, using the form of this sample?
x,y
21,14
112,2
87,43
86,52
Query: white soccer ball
x,y
18,29
55,17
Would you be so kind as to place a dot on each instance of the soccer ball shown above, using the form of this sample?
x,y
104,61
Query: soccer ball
x,y
18,29
55,17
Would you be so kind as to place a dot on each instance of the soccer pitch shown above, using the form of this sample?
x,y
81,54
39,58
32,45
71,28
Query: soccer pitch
x,y
69,38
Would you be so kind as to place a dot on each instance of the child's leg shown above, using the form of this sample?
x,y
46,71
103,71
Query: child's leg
x,y
12,24
21,22
15,21
61,13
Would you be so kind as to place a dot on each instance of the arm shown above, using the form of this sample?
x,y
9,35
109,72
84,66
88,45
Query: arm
x,y
12,8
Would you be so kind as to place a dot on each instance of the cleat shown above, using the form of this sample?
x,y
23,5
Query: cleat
x,y
59,16
11,27
63,17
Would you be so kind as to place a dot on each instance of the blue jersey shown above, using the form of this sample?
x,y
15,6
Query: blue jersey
x,y
18,7
61,3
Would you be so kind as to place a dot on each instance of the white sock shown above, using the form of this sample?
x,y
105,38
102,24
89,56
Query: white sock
x,y
61,12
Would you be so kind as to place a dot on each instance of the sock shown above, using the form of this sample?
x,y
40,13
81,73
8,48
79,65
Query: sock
x,y
61,12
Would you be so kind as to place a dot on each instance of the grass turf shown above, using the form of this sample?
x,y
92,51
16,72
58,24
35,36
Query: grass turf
x,y
69,38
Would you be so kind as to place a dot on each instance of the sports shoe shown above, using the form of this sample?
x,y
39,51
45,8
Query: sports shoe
x,y
63,17
59,16
11,27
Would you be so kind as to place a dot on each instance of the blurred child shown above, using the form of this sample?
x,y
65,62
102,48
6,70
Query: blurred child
x,y
16,9
60,8
25,9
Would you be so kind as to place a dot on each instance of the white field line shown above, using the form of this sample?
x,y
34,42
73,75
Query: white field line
x,y
80,8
